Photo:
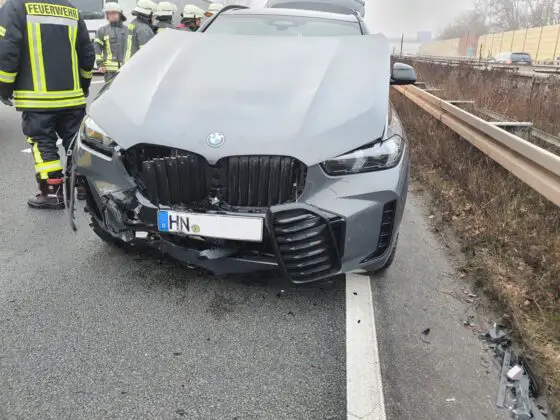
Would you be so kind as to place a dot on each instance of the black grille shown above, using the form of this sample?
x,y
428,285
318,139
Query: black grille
x,y
307,246
175,180
176,177
263,181
386,231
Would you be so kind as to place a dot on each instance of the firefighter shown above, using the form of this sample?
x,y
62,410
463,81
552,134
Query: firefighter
x,y
164,14
46,62
191,17
110,41
213,9
140,30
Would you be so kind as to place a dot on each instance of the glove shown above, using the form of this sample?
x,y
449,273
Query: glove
x,y
6,101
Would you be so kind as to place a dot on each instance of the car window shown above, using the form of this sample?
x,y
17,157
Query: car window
x,y
266,25
520,56
317,6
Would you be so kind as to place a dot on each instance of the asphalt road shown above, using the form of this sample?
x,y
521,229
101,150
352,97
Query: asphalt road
x,y
90,332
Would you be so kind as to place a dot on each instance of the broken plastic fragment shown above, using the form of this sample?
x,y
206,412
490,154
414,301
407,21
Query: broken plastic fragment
x,y
515,373
522,410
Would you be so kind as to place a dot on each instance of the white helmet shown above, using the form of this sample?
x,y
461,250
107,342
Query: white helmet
x,y
214,8
165,8
145,7
112,7
193,12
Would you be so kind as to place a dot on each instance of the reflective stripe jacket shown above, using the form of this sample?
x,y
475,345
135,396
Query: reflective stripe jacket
x,y
2,28
139,33
165,24
110,46
46,56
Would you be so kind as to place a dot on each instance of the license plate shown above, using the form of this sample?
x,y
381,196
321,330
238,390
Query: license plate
x,y
212,225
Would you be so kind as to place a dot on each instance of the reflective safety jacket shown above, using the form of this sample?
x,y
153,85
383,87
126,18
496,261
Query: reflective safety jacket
x,y
139,33
165,24
110,46
46,56
2,28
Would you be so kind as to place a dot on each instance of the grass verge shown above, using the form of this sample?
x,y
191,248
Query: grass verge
x,y
509,234
518,97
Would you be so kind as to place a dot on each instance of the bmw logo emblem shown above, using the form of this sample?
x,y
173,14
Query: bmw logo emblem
x,y
215,139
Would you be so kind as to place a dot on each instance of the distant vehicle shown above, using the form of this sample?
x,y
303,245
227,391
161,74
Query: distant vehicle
x,y
343,7
520,58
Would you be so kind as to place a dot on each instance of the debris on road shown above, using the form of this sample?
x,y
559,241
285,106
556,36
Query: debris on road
x,y
424,335
497,334
503,379
515,373
469,322
522,410
450,399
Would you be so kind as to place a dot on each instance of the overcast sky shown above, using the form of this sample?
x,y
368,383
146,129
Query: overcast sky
x,y
393,17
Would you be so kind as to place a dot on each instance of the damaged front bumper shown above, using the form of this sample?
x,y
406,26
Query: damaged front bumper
x,y
321,235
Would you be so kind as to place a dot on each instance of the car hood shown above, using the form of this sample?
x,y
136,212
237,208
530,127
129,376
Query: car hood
x,y
310,98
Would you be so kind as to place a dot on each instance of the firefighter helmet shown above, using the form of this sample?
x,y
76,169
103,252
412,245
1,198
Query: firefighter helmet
x,y
214,8
192,12
165,8
112,7
145,7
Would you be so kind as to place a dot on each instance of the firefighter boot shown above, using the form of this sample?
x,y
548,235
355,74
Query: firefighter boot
x,y
81,193
50,195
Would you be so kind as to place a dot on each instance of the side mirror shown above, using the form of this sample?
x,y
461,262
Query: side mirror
x,y
403,74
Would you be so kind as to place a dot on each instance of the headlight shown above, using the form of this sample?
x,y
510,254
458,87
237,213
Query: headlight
x,y
381,155
92,135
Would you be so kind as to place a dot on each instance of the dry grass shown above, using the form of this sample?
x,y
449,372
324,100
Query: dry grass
x,y
509,233
520,98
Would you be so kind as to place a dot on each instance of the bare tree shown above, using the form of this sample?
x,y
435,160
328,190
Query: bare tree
x,y
471,23
507,15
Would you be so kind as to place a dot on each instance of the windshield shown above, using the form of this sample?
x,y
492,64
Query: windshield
x,y
89,9
520,56
282,26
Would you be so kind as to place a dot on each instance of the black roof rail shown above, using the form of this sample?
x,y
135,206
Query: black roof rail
x,y
231,7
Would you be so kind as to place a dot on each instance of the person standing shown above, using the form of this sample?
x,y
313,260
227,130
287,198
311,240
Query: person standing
x,y
46,62
191,18
110,41
140,30
212,10
164,14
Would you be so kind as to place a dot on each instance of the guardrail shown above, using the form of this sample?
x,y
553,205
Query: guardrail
x,y
535,166
486,63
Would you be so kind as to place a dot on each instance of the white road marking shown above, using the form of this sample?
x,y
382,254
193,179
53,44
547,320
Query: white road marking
x,y
96,82
364,388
